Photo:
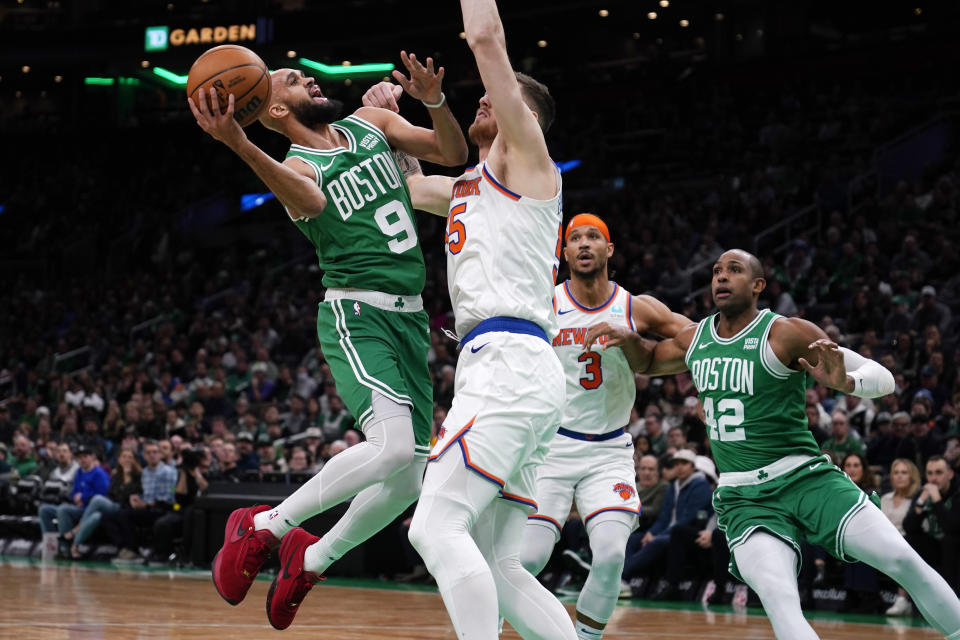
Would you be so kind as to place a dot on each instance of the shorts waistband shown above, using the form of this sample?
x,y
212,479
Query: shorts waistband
x,y
591,437
766,474
378,299
507,324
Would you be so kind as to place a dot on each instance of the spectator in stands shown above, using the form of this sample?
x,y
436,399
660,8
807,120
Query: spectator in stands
x,y
933,522
905,484
922,441
295,421
843,440
124,482
299,460
229,471
653,429
90,480
158,481
861,581
248,460
66,469
676,439
930,312
882,448
169,526
687,501
651,491
337,420
860,414
813,423
22,461
267,453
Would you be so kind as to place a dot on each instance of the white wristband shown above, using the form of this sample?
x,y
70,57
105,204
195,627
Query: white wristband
x,y
443,98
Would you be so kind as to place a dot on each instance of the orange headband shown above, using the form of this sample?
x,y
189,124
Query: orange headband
x,y
587,220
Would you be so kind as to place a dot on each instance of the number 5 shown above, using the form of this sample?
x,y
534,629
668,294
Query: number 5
x,y
455,226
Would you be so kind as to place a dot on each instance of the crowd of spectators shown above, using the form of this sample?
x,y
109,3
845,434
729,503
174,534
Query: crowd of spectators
x,y
198,363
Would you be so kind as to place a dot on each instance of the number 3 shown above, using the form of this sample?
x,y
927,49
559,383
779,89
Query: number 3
x,y
593,368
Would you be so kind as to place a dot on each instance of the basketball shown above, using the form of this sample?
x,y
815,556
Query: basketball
x,y
232,69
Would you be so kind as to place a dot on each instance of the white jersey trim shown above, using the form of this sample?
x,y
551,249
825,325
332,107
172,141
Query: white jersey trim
x,y
739,334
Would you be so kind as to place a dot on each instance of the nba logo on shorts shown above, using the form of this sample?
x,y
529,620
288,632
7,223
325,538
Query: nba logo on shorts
x,y
625,490
356,308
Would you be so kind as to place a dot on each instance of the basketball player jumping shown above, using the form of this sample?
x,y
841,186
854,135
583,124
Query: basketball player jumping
x,y
591,457
503,250
776,489
343,189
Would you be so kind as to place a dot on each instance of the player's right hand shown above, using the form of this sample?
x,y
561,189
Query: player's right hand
x,y
383,95
616,336
221,126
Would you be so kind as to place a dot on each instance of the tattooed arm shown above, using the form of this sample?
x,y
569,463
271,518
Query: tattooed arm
x,y
428,193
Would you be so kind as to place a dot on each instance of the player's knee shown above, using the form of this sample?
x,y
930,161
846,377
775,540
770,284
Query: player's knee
x,y
607,564
419,536
533,557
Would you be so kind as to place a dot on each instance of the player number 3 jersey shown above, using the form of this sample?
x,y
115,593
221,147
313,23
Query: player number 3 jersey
x,y
503,251
753,403
600,384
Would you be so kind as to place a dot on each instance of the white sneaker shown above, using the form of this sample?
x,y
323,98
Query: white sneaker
x,y
901,607
625,590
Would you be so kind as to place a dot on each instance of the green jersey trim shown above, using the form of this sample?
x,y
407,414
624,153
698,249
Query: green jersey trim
x,y
696,339
713,332
764,348
357,120
352,141
353,358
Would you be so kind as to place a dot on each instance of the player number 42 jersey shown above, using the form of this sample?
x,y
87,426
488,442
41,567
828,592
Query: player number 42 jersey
x,y
600,384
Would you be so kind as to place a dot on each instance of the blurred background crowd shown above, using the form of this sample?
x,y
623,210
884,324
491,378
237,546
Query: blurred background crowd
x,y
157,327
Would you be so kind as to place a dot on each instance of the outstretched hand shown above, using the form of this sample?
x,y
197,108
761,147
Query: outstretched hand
x,y
423,84
616,336
221,126
830,370
383,95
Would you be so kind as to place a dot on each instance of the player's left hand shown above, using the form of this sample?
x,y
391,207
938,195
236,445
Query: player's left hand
x,y
616,336
423,84
830,370
221,126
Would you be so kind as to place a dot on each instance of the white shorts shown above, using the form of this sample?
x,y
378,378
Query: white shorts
x,y
600,476
507,405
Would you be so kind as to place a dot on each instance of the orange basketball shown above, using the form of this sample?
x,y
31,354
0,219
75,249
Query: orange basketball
x,y
232,69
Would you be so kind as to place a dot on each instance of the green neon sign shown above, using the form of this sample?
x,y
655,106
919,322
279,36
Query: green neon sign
x,y
170,76
342,71
102,82
156,38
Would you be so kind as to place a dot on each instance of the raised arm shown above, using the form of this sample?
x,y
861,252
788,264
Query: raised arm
x,y
645,356
803,345
294,183
651,315
515,121
444,144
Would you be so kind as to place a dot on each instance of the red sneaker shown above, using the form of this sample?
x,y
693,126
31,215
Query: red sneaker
x,y
292,583
242,555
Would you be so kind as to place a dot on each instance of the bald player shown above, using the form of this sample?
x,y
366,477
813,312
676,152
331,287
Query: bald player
x,y
776,489
342,187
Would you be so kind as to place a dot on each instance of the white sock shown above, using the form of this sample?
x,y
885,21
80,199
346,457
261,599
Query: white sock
x,y
532,610
370,511
440,532
388,448
768,565
586,632
608,544
871,538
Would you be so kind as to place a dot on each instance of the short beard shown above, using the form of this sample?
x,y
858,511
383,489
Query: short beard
x,y
313,114
481,133
589,274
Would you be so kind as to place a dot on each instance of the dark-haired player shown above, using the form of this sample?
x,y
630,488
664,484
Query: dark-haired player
x,y
342,187
776,489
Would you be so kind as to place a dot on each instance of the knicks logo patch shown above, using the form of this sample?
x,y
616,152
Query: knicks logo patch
x,y
624,490
441,433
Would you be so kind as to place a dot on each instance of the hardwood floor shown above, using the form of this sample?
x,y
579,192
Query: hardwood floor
x,y
76,601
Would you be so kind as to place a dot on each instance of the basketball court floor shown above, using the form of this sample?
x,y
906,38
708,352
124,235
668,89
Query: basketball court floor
x,y
85,600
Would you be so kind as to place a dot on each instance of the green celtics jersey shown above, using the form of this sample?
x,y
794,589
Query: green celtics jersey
x,y
753,403
366,237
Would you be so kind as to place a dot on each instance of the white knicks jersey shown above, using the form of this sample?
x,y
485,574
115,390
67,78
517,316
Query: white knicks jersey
x,y
502,252
600,384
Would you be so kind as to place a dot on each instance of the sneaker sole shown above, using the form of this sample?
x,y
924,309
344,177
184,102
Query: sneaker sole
x,y
213,577
273,588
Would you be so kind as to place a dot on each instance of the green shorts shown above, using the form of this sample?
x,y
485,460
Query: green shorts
x,y
813,502
370,349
